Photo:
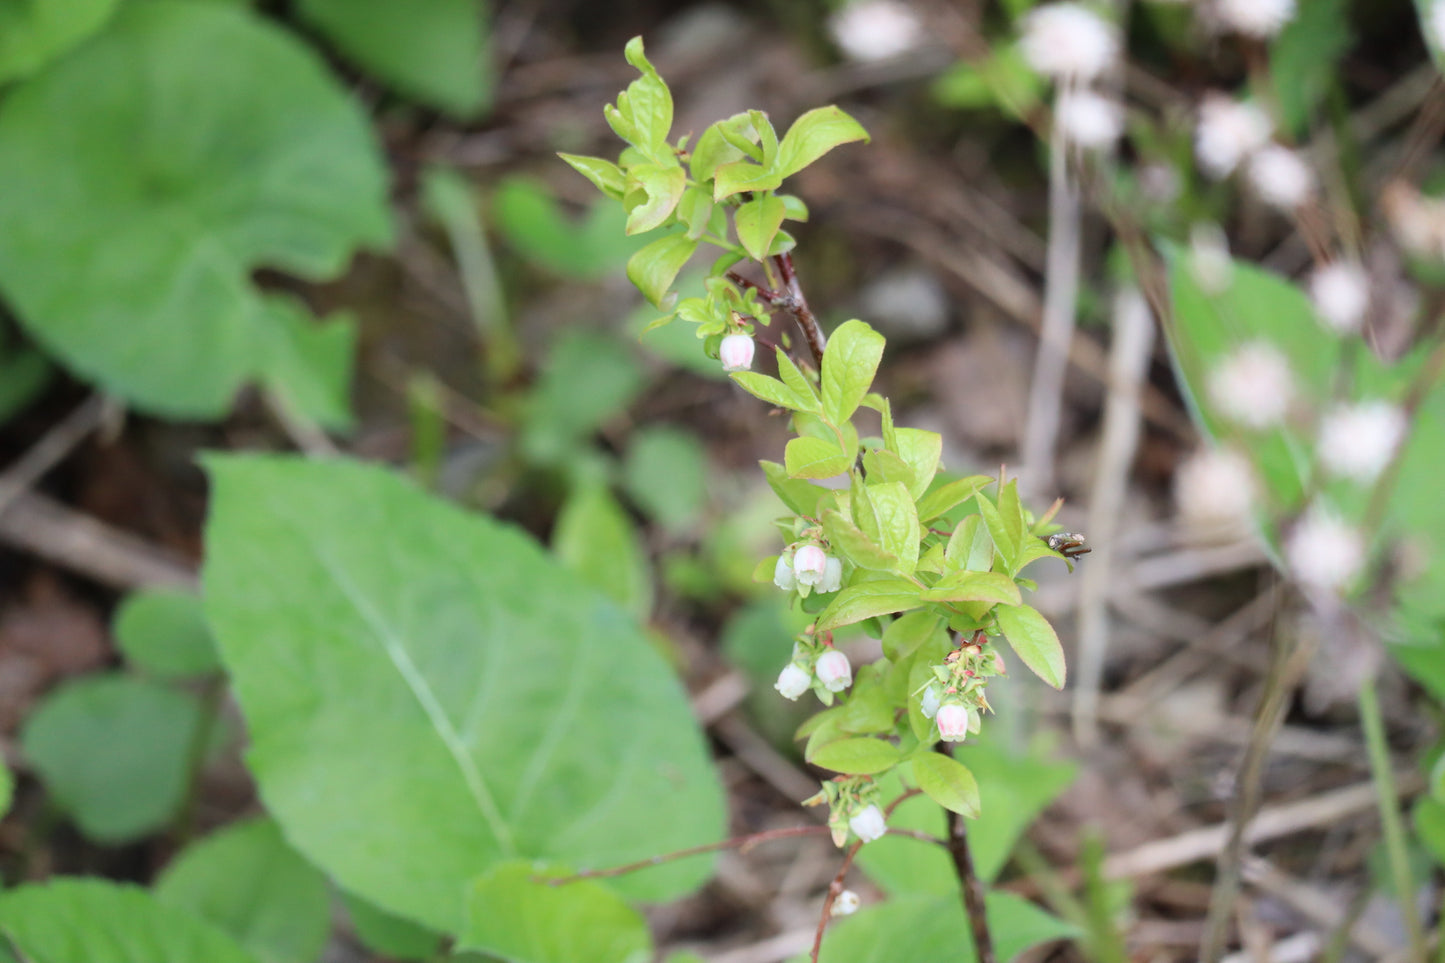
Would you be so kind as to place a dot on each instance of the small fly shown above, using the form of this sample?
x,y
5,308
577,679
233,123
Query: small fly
x,y
1068,544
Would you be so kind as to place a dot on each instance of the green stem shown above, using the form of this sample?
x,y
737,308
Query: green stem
x,y
1374,726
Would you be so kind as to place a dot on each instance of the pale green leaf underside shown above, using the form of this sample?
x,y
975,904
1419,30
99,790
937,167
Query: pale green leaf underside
x,y
431,682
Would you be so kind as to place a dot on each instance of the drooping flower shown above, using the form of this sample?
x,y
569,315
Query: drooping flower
x,y
1228,132
1323,552
953,722
1280,177
875,29
1089,120
846,904
793,681
809,565
783,576
834,671
929,704
1067,40
832,579
868,823
1253,387
1260,19
1341,294
1358,441
736,352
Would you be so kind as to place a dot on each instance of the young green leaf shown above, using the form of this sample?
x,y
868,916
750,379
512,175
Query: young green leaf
x,y
859,757
1011,512
695,211
1007,546
897,523
861,507
921,450
868,599
1035,641
643,115
606,176
965,586
771,390
714,149
881,465
757,224
800,496
742,175
655,267
947,782
815,458
860,549
908,632
949,496
813,135
658,189
849,363
794,378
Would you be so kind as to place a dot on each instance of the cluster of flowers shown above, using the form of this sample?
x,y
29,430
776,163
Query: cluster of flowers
x,y
852,803
815,665
954,698
807,568
1075,47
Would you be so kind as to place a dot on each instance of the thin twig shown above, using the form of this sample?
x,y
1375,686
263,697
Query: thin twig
x,y
737,842
50,450
834,888
972,886
797,305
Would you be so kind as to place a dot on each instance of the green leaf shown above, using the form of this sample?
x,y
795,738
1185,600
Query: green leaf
x,y
794,378
808,457
643,115
388,935
594,538
528,215
606,176
7,788
92,920
907,633
1428,817
1035,641
587,379
934,928
800,496
965,586
1304,60
862,756
655,267
1011,513
513,915
946,497
868,599
247,881
771,390
921,450
695,211
813,135
849,363
855,545
34,32
898,531
998,529
517,714
435,52
661,188
947,782
114,751
201,143
666,474
757,223
308,365
712,148
163,632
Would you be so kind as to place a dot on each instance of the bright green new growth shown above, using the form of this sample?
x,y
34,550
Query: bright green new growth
x,y
944,554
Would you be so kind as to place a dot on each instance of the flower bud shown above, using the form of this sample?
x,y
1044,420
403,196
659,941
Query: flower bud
x,y
846,904
868,824
793,681
832,579
952,722
931,701
834,671
736,352
809,564
783,574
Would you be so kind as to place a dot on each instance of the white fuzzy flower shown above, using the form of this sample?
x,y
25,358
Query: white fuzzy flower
x,y
736,352
1341,294
834,671
954,721
868,823
1088,120
846,904
1209,259
1228,132
793,681
1358,441
1323,553
1215,490
1281,177
1260,19
1435,24
1067,40
832,579
783,576
875,29
809,564
1252,387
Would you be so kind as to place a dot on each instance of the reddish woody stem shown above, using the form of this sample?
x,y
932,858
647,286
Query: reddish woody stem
x,y
972,887
796,304
834,888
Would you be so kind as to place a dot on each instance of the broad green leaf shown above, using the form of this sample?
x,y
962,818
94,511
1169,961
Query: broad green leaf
x,y
163,632
201,143
947,782
93,920
998,529
308,364
898,531
517,714
961,540
388,935
1034,640
862,756
860,506
114,751
966,586
771,390
949,496
757,223
743,175
907,633
587,379
643,114
1011,513
606,176
658,189
849,362
794,378
33,32
594,538
528,215
813,135
922,450
666,474
881,465
857,546
802,497
249,883
868,599
815,458
713,149
514,915
1304,60
435,52
934,928
695,211
655,267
